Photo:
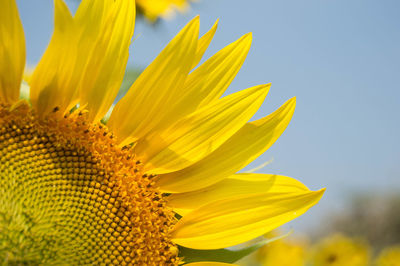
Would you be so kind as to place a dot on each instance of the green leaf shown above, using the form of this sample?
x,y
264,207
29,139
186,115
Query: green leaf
x,y
222,255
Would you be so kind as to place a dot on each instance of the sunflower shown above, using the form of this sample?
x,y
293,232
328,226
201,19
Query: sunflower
x,y
160,175
154,9
390,256
340,250
283,252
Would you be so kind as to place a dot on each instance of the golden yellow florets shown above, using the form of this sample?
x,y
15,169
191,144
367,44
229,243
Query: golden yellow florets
x,y
69,194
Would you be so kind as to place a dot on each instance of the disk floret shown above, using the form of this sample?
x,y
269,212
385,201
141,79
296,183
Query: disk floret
x,y
68,193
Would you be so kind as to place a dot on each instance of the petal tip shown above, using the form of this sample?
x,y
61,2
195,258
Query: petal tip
x,y
319,194
265,88
248,36
292,100
196,18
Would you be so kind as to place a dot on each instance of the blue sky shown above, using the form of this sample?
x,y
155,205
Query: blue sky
x,y
341,59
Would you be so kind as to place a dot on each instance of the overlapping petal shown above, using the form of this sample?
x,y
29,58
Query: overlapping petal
x,y
156,89
229,222
106,50
53,83
12,52
203,43
235,186
86,58
238,151
194,137
209,81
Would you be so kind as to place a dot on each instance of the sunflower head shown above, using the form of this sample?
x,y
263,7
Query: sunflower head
x,y
69,195
341,250
160,175
390,256
284,252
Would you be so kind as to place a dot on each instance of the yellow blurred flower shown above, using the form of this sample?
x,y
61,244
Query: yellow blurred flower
x,y
154,9
76,191
390,256
284,252
339,250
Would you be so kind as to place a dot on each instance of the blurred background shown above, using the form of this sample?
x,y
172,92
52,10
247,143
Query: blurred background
x,y
341,59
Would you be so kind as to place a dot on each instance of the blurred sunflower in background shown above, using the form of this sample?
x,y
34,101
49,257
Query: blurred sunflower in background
x,y
154,9
332,250
340,250
390,256
283,252
160,175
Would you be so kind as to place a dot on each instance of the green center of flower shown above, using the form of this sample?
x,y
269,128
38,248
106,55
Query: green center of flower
x,y
69,196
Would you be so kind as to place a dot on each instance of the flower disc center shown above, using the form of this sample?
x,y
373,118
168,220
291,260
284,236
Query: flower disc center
x,y
68,194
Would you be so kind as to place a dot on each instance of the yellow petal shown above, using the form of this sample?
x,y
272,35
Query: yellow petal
x,y
209,81
156,89
234,186
204,42
242,148
197,135
105,46
53,83
86,57
209,263
229,222
12,52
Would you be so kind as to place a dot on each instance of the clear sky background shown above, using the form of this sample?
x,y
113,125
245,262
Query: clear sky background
x,y
340,58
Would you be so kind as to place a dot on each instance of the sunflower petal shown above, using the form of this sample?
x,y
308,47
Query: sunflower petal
x,y
234,186
53,83
208,82
106,52
229,222
204,42
92,74
156,89
242,148
223,255
12,52
197,135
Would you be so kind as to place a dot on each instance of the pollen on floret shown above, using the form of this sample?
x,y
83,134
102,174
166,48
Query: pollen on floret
x,y
68,193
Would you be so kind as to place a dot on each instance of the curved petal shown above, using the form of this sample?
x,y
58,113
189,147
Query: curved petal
x,y
53,83
12,52
106,51
156,89
197,135
204,42
229,222
209,81
86,58
242,148
234,186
